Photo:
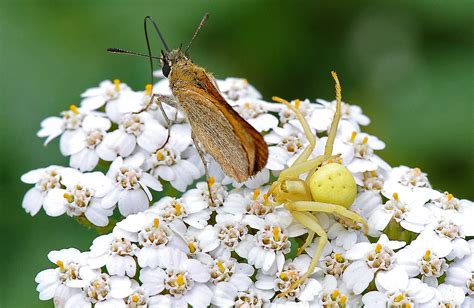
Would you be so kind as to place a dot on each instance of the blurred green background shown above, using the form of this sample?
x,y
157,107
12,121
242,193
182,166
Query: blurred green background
x,y
409,64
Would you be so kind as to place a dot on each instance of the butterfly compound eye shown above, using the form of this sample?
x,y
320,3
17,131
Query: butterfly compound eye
x,y
166,68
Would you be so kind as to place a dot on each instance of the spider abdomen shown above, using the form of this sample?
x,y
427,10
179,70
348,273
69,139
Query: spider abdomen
x,y
333,183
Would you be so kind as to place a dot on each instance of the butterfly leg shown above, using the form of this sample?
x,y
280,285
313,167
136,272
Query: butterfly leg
x,y
160,99
204,162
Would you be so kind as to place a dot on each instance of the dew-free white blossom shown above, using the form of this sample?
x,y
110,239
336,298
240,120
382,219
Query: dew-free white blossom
x,y
103,291
237,88
45,180
71,274
222,243
281,280
284,145
82,195
369,259
395,288
266,249
114,252
184,280
170,164
135,130
170,209
131,185
256,113
321,118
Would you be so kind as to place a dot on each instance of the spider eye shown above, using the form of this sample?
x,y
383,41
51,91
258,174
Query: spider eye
x,y
166,68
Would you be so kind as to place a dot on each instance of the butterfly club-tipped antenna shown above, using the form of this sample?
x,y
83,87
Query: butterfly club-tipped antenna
x,y
121,51
198,29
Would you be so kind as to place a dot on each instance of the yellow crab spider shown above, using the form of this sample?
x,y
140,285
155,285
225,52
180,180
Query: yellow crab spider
x,y
328,187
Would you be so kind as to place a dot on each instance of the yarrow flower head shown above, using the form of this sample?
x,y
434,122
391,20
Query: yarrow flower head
x,y
186,240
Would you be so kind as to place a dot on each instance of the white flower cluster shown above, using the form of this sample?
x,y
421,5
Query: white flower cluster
x,y
230,248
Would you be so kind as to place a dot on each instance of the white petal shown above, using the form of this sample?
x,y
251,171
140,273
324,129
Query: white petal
x,y
153,280
85,160
111,198
312,288
132,201
268,260
92,122
152,137
396,279
71,142
105,152
54,203
98,215
224,295
77,301
357,276
197,270
374,299
151,182
32,201
199,296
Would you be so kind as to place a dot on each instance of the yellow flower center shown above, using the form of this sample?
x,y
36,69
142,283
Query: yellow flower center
x,y
60,264
68,197
378,248
399,298
148,89
74,109
427,255
180,280
211,181
117,84
256,193
159,155
276,233
353,136
220,266
177,208
297,103
156,222
343,300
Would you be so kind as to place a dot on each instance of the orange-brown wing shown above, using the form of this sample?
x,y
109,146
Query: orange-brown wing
x,y
255,145
231,141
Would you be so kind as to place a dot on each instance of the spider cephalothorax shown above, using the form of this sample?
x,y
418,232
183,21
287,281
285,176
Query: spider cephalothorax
x,y
328,187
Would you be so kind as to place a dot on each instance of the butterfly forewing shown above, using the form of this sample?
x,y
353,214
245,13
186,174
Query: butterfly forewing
x,y
239,149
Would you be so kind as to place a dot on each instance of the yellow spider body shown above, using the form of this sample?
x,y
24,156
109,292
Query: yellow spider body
x,y
328,187
333,183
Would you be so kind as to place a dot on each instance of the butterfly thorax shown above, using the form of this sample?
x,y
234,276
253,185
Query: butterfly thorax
x,y
184,73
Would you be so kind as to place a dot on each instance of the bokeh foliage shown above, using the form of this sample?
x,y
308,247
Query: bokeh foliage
x,y
409,64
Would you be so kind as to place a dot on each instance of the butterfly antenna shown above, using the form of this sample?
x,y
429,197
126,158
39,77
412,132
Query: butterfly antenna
x,y
128,52
145,23
201,24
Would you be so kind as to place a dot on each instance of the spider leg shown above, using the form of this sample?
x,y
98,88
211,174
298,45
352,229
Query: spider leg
x,y
307,242
307,130
301,167
309,221
307,206
335,121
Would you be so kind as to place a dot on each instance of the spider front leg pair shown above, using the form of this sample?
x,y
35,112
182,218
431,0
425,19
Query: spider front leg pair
x,y
327,188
